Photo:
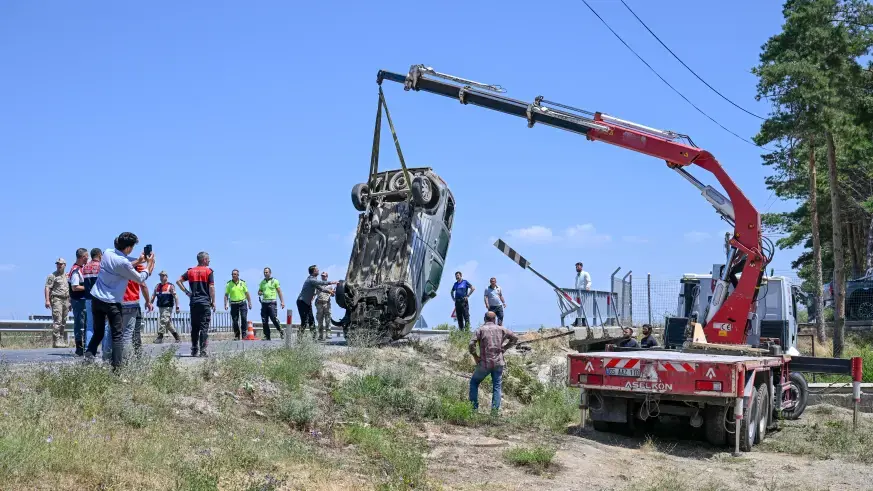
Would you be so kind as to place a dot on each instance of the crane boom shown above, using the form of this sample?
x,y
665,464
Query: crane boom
x,y
728,317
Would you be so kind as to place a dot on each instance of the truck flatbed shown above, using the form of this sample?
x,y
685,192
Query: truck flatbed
x,y
667,355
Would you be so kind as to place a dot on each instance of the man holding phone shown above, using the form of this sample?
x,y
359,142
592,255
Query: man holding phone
x,y
116,269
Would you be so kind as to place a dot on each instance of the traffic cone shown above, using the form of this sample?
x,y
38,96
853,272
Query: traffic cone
x,y
250,332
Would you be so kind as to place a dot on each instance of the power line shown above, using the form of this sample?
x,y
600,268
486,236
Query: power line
x,y
662,78
750,113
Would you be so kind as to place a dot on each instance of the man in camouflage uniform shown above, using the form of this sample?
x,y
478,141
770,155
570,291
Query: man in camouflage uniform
x,y
57,298
322,309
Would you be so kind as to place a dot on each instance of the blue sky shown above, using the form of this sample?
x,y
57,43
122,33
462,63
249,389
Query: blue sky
x,y
240,129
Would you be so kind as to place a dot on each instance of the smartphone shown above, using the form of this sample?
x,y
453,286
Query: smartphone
x,y
147,250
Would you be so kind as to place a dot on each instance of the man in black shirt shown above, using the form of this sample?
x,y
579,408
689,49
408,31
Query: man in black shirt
x,y
648,340
628,340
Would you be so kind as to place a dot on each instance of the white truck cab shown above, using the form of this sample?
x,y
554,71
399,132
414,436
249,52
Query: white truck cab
x,y
774,318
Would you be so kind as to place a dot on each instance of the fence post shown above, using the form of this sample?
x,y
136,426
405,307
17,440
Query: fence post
x,y
649,295
611,298
630,287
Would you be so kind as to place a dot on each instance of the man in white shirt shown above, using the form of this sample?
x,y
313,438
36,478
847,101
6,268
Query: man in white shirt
x,y
583,279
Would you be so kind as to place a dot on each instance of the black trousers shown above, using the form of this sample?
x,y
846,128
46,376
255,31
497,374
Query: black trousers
x,y
201,315
269,313
306,317
101,312
462,312
239,314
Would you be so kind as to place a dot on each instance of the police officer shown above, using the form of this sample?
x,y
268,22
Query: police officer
x,y
166,298
57,298
240,302
268,290
322,308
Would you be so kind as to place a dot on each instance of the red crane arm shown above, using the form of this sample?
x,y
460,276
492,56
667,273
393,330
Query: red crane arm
x,y
728,324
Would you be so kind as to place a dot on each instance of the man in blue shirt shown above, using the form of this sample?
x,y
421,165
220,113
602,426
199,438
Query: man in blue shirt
x,y
461,291
116,269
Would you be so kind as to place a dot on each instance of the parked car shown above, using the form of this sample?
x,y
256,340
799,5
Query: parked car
x,y
398,254
859,298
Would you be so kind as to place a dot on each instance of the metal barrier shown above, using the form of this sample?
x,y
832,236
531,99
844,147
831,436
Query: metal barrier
x,y
220,322
595,308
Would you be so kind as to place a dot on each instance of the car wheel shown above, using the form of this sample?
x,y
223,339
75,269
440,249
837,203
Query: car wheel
x,y
401,302
797,394
864,310
344,294
359,196
425,192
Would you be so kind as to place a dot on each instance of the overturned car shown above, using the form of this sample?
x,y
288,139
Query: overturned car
x,y
399,251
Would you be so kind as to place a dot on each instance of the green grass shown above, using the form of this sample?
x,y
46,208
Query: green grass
x,y
551,411
827,439
537,459
293,366
395,456
298,410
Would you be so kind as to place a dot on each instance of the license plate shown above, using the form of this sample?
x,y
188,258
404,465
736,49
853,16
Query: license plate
x,y
623,372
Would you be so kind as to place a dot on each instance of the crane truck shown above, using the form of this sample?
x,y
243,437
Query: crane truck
x,y
715,381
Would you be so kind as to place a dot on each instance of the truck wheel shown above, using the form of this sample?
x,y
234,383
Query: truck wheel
x,y
763,412
749,425
425,192
359,196
714,422
797,393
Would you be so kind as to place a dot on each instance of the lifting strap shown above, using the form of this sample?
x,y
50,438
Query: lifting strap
x,y
377,132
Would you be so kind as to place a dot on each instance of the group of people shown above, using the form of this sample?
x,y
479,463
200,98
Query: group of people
x,y
105,291
494,301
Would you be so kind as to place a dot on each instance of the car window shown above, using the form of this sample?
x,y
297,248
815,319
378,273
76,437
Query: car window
x,y
443,243
450,213
433,278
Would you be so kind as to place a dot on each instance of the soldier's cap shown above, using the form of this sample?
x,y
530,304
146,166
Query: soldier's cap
x,y
60,261
162,273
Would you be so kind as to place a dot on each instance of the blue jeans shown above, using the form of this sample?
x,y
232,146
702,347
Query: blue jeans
x,y
131,330
89,331
496,381
79,317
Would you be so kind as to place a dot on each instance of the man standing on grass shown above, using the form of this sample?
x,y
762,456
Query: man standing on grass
x,y
116,269
131,312
165,297
461,291
57,298
494,301
77,299
237,293
90,272
268,290
201,280
322,309
489,361
304,300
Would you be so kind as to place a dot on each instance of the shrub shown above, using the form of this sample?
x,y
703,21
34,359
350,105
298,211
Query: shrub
x,y
537,458
297,409
292,366
397,456
551,411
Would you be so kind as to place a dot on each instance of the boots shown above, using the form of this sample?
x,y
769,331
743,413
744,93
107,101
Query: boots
x,y
175,337
57,341
159,339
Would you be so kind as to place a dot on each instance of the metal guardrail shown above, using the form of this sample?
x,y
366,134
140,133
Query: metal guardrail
x,y
595,308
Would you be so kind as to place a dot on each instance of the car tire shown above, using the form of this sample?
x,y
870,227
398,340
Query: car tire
x,y
401,301
359,196
343,294
800,392
425,192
